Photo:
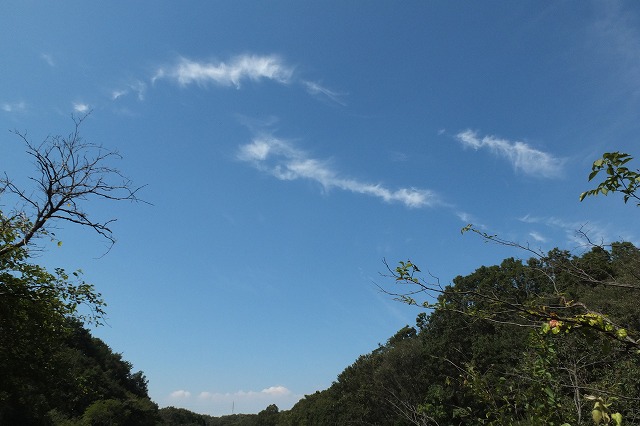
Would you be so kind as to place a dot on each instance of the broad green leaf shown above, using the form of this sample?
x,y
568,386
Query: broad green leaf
x,y
617,419
597,416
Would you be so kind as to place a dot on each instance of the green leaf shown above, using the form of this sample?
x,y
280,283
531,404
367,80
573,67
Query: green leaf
x,y
549,392
597,416
617,419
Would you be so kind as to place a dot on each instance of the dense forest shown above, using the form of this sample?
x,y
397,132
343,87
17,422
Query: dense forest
x,y
546,339
453,367
465,363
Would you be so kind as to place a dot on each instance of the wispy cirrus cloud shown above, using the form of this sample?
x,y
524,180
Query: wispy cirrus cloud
x,y
578,234
538,237
232,73
316,89
81,107
283,161
522,157
138,87
48,58
13,106
243,68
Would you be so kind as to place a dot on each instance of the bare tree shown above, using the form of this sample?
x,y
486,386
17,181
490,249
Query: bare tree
x,y
70,171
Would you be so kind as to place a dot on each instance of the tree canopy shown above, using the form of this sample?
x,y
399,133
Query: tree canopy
x,y
53,371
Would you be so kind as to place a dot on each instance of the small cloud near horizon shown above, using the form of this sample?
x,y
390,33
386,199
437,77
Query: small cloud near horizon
x,y
273,391
180,394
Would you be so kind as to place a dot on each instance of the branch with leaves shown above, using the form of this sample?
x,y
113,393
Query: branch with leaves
x,y
619,178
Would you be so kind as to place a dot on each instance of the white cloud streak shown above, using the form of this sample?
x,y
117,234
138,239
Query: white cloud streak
x,y
522,157
538,237
80,107
283,161
270,392
244,67
238,69
573,230
48,59
316,89
137,87
244,401
13,107
180,394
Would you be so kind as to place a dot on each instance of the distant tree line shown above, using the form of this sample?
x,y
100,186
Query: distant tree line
x,y
457,366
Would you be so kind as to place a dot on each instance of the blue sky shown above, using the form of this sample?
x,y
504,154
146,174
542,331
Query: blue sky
x,y
288,147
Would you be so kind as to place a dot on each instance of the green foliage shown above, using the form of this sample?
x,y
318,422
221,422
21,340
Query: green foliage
x,y
498,347
601,412
619,178
51,370
114,412
268,416
61,379
180,417
61,293
172,416
553,340
39,312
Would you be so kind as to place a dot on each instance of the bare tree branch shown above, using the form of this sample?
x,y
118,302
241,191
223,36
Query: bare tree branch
x,y
70,172
527,312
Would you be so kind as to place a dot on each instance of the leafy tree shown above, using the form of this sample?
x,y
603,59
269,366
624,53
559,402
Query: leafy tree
x,y
584,299
551,340
35,307
269,416
51,369
114,412
181,417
